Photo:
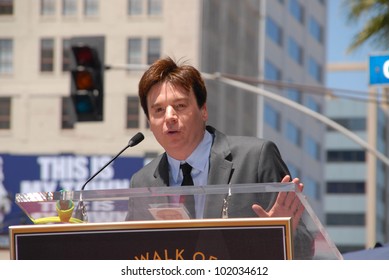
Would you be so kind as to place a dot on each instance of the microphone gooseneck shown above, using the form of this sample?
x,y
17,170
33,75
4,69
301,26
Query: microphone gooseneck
x,y
81,212
135,140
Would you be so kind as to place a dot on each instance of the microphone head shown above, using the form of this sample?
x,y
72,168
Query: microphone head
x,y
136,139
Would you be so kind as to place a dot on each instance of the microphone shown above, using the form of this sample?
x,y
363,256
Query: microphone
x,y
81,209
135,140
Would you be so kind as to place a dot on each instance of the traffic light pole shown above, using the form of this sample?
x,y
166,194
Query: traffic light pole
x,y
129,67
301,108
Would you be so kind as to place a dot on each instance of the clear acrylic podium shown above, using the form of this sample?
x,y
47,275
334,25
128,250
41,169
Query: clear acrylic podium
x,y
53,213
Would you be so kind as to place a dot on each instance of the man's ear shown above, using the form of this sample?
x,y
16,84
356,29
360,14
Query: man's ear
x,y
204,112
148,122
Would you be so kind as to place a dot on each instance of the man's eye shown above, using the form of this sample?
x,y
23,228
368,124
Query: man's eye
x,y
180,106
158,110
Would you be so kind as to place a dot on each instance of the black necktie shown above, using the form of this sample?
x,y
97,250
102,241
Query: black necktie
x,y
187,180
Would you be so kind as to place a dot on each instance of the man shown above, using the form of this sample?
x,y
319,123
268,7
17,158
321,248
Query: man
x,y
173,98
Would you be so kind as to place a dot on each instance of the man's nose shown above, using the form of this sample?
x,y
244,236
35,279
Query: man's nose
x,y
170,113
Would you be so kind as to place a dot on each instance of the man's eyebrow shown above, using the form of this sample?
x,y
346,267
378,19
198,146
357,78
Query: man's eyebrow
x,y
174,101
181,99
155,105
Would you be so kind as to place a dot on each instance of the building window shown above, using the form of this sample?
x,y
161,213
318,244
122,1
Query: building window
x,y
153,50
346,156
274,31
294,94
48,7
293,134
312,148
346,187
272,117
5,112
353,124
6,7
315,29
69,7
296,10
312,188
345,219
315,70
312,104
134,7
132,112
134,51
154,7
272,72
295,51
65,55
68,114
6,54
47,55
91,7
295,172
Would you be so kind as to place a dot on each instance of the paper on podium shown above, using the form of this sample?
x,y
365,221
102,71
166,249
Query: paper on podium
x,y
169,211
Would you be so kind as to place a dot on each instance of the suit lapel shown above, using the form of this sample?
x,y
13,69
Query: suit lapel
x,y
220,172
161,174
221,166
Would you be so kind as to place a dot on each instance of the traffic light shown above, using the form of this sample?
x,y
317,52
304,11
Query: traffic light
x,y
87,77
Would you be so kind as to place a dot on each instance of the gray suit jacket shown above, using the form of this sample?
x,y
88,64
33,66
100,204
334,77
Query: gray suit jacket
x,y
233,160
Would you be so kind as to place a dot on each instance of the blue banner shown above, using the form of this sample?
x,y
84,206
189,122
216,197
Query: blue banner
x,y
44,173
379,69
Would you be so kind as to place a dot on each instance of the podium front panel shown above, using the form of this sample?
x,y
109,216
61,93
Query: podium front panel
x,y
222,239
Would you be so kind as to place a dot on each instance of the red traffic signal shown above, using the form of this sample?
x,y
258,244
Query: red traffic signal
x,y
85,56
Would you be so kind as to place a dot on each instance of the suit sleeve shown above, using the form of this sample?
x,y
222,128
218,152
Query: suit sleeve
x,y
271,167
274,169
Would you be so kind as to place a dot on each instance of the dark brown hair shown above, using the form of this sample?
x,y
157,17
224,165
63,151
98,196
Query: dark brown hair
x,y
167,70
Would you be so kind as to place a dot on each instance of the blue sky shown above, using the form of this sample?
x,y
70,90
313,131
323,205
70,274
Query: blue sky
x,y
339,36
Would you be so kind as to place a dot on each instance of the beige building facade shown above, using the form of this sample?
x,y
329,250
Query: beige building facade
x,y
278,40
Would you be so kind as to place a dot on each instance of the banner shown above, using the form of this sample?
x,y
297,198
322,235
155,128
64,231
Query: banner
x,y
48,173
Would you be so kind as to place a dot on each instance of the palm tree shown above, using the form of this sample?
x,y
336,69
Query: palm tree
x,y
376,15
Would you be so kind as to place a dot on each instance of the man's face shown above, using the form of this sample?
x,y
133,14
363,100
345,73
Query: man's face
x,y
175,119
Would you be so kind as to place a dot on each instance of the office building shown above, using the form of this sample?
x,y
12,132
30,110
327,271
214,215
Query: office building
x,y
280,41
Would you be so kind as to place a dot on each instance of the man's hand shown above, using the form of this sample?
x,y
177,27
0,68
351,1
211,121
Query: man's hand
x,y
286,205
